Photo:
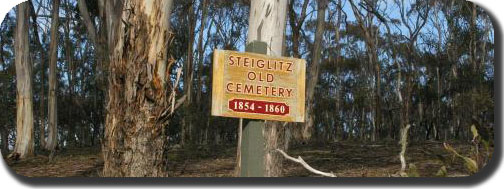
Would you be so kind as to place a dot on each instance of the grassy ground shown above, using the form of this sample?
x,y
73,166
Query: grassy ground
x,y
345,159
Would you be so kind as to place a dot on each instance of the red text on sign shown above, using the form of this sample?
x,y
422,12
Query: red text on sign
x,y
258,107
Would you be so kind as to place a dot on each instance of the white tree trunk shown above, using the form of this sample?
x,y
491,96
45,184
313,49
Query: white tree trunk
x,y
267,24
24,117
404,144
52,140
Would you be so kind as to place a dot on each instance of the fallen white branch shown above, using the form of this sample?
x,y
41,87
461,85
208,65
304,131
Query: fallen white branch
x,y
305,165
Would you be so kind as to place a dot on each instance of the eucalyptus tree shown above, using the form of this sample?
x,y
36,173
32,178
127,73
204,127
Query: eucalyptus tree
x,y
135,141
24,146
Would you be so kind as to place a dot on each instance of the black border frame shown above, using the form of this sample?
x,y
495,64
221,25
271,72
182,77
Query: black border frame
x,y
472,180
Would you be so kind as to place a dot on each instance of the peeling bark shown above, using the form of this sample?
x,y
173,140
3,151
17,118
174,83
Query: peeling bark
x,y
135,140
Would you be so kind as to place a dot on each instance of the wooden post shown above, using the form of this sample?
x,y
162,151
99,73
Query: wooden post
x,y
252,150
252,141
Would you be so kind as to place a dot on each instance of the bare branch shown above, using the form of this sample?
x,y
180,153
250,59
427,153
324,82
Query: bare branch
x,y
173,94
305,165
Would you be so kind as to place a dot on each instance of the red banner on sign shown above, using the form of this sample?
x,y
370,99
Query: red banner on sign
x,y
258,107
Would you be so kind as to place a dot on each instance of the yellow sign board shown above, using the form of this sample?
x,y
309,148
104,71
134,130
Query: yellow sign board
x,y
256,86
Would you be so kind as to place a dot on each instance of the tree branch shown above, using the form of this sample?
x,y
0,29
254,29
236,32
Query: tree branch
x,y
305,165
83,9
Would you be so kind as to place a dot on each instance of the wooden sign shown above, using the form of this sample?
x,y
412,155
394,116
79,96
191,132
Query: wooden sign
x,y
256,86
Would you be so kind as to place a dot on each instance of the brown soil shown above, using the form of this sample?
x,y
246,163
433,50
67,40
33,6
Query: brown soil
x,y
345,159
79,162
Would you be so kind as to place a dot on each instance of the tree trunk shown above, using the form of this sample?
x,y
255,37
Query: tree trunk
x,y
99,41
42,52
296,24
53,54
438,104
378,115
187,124
473,58
70,75
267,23
24,117
201,54
90,27
338,119
42,100
314,69
135,140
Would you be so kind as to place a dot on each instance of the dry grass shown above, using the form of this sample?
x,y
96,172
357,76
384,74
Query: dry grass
x,y
345,159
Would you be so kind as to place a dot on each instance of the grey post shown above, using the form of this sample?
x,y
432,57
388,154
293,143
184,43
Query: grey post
x,y
252,147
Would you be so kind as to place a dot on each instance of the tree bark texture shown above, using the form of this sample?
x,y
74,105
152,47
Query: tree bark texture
x,y
24,115
267,24
42,52
135,140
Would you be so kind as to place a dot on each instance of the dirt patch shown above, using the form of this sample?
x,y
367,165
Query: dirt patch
x,y
345,159
83,162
